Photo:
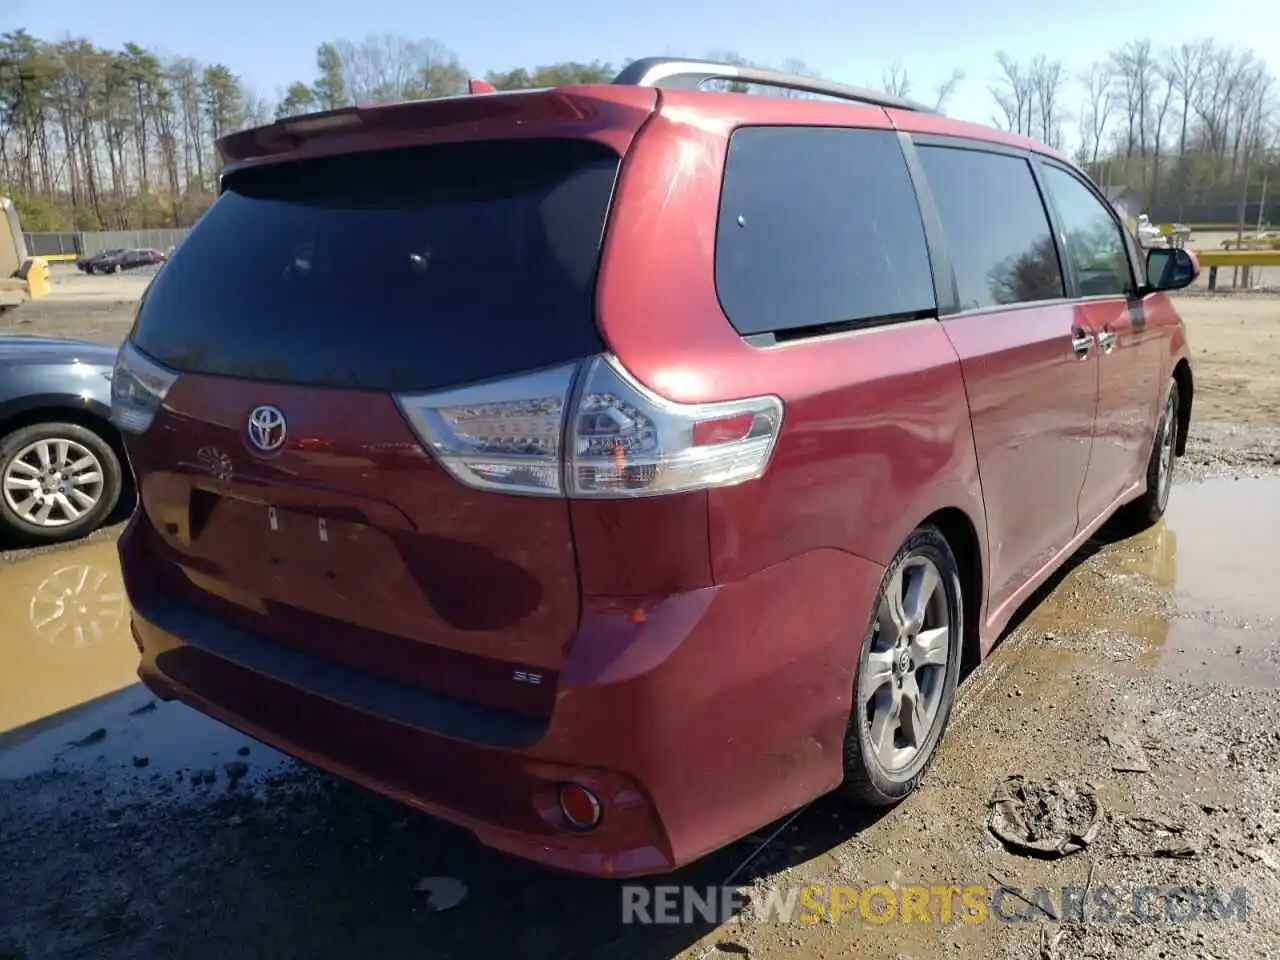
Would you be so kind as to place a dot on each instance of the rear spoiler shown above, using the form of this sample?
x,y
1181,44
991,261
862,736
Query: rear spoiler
x,y
590,105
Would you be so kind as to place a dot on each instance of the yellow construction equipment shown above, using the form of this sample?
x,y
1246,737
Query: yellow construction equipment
x,y
22,277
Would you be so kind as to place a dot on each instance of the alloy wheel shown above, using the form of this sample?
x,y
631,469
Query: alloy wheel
x,y
53,482
1168,443
900,689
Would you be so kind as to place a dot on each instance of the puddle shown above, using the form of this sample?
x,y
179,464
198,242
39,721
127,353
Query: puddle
x,y
69,693
67,638
1226,623
1227,534
1192,597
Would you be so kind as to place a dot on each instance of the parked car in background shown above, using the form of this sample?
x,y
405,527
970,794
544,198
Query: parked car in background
x,y
62,466
725,428
115,260
90,264
147,256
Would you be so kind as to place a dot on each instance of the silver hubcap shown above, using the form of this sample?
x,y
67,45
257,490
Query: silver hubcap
x,y
54,482
1168,440
901,686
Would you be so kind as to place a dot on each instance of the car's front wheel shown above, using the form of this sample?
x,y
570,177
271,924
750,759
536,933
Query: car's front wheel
x,y
908,670
58,481
1150,507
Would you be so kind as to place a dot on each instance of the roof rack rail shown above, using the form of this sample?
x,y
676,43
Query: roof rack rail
x,y
680,74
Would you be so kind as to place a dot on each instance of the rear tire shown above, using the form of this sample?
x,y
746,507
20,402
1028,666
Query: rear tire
x,y
908,669
90,484
1147,510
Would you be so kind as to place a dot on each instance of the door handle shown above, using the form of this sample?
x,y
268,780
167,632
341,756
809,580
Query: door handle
x,y
1081,343
1106,340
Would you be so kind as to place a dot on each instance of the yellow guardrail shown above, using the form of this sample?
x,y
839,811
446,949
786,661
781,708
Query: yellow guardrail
x,y
1244,259
1253,243
59,257
1239,258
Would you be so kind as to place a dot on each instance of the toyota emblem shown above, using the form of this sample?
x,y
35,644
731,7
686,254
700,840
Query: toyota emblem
x,y
267,429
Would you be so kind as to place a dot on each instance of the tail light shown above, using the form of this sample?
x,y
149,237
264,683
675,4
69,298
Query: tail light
x,y
138,387
498,436
592,431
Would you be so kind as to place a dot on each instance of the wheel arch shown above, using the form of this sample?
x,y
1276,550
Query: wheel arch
x,y
1186,390
962,535
90,414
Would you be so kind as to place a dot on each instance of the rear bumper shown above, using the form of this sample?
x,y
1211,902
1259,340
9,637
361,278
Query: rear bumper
x,y
696,718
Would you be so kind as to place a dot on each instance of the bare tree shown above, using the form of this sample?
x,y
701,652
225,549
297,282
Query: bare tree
x,y
1134,71
1249,111
440,74
1212,100
895,81
390,67
1255,109
946,90
1186,66
184,78
1164,97
1046,78
1013,94
255,110
1096,111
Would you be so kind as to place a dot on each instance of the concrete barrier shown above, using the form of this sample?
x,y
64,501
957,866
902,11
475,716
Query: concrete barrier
x,y
38,278
34,274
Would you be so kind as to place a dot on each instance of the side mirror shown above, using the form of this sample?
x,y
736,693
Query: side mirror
x,y
1171,268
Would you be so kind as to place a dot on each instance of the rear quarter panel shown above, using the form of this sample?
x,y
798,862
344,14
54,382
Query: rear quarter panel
x,y
876,433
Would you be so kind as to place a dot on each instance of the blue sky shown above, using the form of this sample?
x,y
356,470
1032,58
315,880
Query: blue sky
x,y
270,43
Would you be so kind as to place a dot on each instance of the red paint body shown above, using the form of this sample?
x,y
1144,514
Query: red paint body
x,y
697,651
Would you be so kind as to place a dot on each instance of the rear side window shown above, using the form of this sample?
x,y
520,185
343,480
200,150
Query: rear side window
x,y
398,270
819,226
995,225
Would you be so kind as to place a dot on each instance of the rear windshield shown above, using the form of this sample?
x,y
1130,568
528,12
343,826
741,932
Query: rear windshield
x,y
396,270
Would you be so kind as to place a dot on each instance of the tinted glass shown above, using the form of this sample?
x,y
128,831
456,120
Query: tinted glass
x,y
1095,243
394,270
818,226
995,225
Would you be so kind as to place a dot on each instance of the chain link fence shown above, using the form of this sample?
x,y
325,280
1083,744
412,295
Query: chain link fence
x,y
89,244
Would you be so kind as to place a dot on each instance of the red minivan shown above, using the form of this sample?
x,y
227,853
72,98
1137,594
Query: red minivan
x,y
613,469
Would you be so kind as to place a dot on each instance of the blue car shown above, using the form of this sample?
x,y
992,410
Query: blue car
x,y
63,469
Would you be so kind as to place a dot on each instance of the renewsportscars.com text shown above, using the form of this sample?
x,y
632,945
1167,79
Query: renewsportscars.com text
x,y
973,904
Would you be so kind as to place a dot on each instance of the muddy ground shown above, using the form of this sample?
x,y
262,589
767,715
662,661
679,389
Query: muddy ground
x,y
1149,670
